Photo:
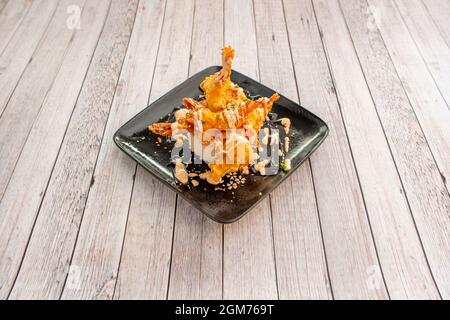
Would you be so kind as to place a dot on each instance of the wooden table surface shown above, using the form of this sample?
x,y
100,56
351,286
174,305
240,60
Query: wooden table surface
x,y
367,217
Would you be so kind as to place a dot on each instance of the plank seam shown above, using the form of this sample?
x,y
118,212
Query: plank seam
x,y
256,39
48,181
415,114
98,153
426,140
192,37
171,248
176,195
136,166
388,144
273,246
309,160
123,240
270,197
132,186
435,23
321,233
29,60
40,107
17,27
351,151
417,118
420,51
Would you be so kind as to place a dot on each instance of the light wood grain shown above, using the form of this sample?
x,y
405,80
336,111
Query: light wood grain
x,y
196,267
439,10
428,104
28,96
339,198
299,253
15,124
17,54
388,211
11,15
430,207
113,176
67,190
430,43
338,192
249,266
33,170
420,178
365,217
101,236
144,267
145,264
91,112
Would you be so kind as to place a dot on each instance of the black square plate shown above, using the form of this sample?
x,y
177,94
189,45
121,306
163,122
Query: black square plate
x,y
307,132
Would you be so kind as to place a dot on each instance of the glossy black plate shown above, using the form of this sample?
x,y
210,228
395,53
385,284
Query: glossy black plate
x,y
307,132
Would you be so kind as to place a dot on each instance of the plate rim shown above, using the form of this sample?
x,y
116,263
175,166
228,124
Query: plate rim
x,y
116,139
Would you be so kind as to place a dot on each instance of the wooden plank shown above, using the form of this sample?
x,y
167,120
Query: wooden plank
x,y
10,18
33,170
439,10
424,96
19,51
145,264
300,261
99,244
421,179
248,262
196,267
15,124
28,96
339,198
429,42
92,111
387,207
425,189
66,193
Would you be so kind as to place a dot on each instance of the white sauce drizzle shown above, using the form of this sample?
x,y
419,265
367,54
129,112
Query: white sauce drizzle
x,y
261,167
287,164
286,123
180,172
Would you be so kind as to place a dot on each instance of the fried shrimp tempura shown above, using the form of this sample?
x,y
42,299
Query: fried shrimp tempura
x,y
224,107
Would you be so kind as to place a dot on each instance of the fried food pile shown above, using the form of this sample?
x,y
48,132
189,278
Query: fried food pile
x,y
225,109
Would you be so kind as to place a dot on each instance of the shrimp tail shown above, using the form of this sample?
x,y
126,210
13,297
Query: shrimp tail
x,y
190,103
265,103
227,59
161,128
274,98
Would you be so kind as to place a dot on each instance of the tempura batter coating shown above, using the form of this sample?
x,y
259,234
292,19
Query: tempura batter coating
x,y
224,107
